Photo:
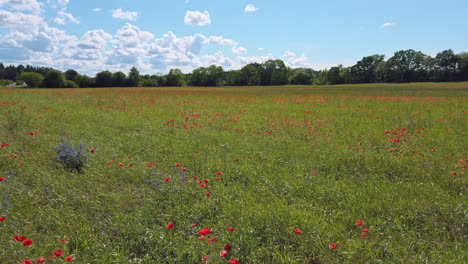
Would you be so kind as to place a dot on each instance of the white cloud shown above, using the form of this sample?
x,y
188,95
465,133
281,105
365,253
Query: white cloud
x,y
219,59
239,50
197,18
289,54
220,40
121,14
63,16
62,2
389,24
261,49
131,43
20,20
24,5
250,8
252,59
94,39
97,9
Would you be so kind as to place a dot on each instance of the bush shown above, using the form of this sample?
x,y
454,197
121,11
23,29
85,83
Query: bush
x,y
71,84
54,79
72,158
32,79
5,82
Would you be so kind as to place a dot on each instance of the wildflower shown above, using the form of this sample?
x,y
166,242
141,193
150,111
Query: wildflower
x,y
121,164
365,229
227,247
211,240
130,165
170,225
217,179
204,231
69,258
333,246
63,240
58,253
178,165
207,181
184,169
27,242
363,234
19,238
195,178
40,260
454,173
219,173
359,222
167,179
1,179
27,262
3,218
233,261
223,253
92,150
298,231
151,164
208,194
230,229
201,238
204,258
202,185
196,151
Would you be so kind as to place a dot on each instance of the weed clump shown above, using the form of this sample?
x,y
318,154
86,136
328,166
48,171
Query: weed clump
x,y
72,158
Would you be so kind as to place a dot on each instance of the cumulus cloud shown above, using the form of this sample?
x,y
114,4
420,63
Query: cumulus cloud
x,y
252,59
219,59
62,17
239,50
23,5
97,9
197,18
388,24
121,14
62,2
130,43
295,62
250,8
20,20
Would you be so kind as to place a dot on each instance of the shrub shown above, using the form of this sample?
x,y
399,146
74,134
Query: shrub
x,y
5,82
72,158
32,79
71,84
54,79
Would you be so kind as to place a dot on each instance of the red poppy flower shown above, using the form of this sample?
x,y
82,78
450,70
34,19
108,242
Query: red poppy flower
x,y
298,231
201,238
219,173
92,150
363,234
194,225
359,222
195,178
178,165
227,247
58,253
121,164
202,185
204,258
2,218
151,164
211,240
27,242
208,194
1,179
223,253
454,173
365,229
217,179
40,260
69,258
204,231
233,261
207,181
167,179
184,169
170,225
130,165
63,240
333,246
230,229
19,238
129,157
27,262
196,151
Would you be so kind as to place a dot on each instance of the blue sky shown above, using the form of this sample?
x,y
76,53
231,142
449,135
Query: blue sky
x,y
156,35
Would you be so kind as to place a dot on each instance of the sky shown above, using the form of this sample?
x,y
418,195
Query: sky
x,y
157,35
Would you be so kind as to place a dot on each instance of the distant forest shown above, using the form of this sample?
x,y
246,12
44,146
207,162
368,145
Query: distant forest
x,y
403,66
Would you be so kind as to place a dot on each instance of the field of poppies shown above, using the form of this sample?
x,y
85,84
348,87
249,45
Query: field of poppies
x,y
302,174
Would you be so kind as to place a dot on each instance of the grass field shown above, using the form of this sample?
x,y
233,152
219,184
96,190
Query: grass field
x,y
289,171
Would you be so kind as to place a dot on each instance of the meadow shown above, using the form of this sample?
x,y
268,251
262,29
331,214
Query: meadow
x,y
300,174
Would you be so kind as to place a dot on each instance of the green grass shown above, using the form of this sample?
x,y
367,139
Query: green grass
x,y
413,206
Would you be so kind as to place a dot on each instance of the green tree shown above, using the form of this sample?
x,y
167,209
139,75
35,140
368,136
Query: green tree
x,y
32,79
54,79
84,81
364,70
302,76
445,66
104,79
251,74
118,79
335,75
134,78
408,66
274,72
71,75
175,77
463,66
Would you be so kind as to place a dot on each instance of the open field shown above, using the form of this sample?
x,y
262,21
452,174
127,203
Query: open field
x,y
290,169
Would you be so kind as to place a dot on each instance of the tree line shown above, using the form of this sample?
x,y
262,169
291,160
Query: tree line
x,y
404,66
